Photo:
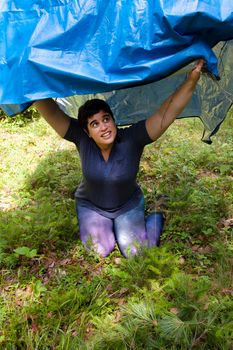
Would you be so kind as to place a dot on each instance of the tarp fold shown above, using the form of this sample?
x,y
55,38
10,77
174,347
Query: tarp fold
x,y
59,48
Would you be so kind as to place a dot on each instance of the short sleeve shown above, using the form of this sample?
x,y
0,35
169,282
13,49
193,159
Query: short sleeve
x,y
74,132
139,134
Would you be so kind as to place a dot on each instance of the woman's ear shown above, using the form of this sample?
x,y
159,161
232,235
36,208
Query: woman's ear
x,y
87,132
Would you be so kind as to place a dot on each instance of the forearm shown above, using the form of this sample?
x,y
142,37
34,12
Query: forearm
x,y
176,103
51,112
173,105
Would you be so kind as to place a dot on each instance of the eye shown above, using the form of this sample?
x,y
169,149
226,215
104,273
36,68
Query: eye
x,y
94,125
106,119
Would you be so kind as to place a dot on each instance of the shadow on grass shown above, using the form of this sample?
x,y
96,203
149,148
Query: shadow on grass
x,y
45,218
59,300
44,215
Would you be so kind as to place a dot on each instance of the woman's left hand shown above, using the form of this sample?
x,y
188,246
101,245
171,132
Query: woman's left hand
x,y
195,73
174,104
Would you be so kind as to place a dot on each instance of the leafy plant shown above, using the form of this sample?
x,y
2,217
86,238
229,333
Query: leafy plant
x,y
25,251
55,295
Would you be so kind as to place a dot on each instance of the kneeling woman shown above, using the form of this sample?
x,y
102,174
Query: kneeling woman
x,y
109,202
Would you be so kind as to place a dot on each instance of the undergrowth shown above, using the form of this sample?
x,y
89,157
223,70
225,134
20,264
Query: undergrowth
x,y
54,295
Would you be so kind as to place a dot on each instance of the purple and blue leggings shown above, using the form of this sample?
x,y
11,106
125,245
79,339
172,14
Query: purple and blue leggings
x,y
131,230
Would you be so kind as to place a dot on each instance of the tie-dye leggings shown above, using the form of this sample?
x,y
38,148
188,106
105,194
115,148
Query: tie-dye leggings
x,y
131,230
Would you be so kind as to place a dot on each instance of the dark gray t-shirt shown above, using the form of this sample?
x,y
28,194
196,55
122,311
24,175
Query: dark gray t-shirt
x,y
110,188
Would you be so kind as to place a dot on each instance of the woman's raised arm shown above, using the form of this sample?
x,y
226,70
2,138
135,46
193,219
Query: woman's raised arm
x,y
51,112
157,124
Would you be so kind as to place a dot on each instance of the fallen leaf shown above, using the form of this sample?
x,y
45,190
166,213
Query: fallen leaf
x,y
117,316
182,260
227,291
195,248
174,310
66,261
117,261
121,302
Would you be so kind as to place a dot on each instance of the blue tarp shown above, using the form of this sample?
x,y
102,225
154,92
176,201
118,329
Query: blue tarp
x,y
58,48
210,102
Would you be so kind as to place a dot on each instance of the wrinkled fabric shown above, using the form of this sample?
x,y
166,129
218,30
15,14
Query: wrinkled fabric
x,y
60,48
211,100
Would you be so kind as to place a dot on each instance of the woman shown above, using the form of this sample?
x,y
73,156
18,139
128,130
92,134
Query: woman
x,y
109,202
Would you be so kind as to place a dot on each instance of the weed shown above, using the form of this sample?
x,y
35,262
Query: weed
x,y
55,295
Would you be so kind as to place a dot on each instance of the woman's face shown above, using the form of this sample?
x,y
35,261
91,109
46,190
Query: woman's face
x,y
102,129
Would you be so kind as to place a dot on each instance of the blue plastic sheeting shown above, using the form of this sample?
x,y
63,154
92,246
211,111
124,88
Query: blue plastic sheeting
x,y
210,102
14,109
65,47
58,48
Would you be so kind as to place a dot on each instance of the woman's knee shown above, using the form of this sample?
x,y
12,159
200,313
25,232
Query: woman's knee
x,y
130,230
92,242
130,238
128,247
96,231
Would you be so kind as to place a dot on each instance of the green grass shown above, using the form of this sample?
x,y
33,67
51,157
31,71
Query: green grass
x,y
54,295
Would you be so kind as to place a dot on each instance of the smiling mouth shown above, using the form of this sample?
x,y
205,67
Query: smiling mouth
x,y
106,134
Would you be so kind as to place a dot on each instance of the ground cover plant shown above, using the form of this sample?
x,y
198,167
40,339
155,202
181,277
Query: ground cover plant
x,y
53,295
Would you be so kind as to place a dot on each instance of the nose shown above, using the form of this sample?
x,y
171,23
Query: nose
x,y
103,126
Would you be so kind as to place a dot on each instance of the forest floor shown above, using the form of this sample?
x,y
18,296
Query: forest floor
x,y
55,295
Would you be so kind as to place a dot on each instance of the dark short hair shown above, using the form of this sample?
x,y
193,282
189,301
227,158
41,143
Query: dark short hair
x,y
91,107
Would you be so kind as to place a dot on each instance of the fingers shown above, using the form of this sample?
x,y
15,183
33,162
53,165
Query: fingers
x,y
195,73
199,65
